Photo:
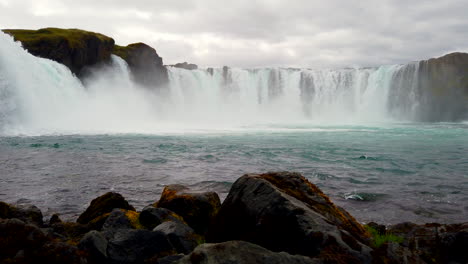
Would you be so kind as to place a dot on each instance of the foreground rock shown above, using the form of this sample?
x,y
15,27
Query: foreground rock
x,y
197,209
26,213
72,47
104,204
25,243
435,243
281,218
240,252
284,212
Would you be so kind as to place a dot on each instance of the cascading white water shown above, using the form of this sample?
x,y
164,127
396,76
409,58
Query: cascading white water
x,y
287,95
39,96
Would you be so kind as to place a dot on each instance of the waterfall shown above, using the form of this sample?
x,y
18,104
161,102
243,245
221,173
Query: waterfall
x,y
39,96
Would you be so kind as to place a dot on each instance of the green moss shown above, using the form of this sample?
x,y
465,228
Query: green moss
x,y
124,52
379,239
74,37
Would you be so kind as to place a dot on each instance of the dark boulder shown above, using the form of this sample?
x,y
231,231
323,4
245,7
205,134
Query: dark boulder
x,y
25,243
181,236
102,205
240,252
150,217
55,219
285,212
95,244
145,64
122,219
136,246
170,259
196,208
435,243
185,65
117,220
26,213
72,47
69,231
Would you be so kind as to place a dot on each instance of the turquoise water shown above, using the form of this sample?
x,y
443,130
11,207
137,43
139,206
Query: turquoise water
x,y
385,173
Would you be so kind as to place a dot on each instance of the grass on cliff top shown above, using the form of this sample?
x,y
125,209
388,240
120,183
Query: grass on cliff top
x,y
379,239
73,36
123,52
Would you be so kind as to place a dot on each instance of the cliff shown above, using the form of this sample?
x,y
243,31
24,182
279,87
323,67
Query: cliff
x,y
444,81
72,47
144,62
78,49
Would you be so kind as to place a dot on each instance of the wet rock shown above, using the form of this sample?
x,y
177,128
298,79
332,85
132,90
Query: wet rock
x,y
5,210
435,243
185,65
26,213
150,217
72,47
135,246
285,212
181,236
55,219
29,214
197,209
69,230
95,244
117,220
240,252
170,259
25,243
102,205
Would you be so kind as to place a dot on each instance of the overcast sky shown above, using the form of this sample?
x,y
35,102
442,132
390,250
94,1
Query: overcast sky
x,y
249,33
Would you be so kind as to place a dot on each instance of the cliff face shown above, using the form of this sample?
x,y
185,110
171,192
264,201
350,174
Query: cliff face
x,y
443,83
145,64
72,47
78,49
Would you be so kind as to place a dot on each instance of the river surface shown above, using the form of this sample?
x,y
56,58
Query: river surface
x,y
387,173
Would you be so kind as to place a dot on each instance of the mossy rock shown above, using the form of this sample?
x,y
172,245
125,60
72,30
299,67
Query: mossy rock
x,y
25,243
74,48
27,213
5,210
150,217
197,209
102,205
283,211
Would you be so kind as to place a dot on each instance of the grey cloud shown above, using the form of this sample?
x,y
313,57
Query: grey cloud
x,y
246,33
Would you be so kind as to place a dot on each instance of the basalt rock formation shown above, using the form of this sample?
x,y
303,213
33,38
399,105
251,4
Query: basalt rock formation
x,y
78,49
72,47
145,64
185,65
445,82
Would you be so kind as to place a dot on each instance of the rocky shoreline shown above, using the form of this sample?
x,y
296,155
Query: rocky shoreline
x,y
277,217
